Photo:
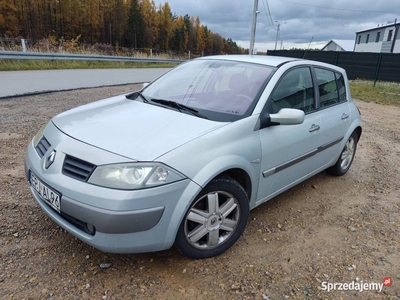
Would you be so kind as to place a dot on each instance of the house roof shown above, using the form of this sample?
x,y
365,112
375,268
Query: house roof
x,y
347,45
379,27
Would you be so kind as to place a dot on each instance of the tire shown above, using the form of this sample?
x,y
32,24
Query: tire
x,y
346,157
214,221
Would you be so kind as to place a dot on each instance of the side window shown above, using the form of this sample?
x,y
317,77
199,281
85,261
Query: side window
x,y
378,36
341,87
331,87
390,35
295,90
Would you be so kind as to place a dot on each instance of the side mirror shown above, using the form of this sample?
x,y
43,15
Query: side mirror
x,y
144,84
288,116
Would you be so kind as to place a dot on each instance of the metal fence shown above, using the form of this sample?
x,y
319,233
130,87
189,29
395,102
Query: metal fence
x,y
58,56
358,65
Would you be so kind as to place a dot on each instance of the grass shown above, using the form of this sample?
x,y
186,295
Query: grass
x,y
21,65
387,93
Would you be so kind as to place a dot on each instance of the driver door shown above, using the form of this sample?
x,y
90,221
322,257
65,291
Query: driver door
x,y
288,151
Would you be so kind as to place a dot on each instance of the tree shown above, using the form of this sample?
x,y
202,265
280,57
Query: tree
x,y
209,41
180,36
200,38
93,21
118,21
164,26
149,13
8,18
136,25
133,23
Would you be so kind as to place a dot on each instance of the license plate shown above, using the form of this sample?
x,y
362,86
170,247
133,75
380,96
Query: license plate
x,y
52,197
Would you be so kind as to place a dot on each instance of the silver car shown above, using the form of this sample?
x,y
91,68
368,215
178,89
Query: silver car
x,y
184,160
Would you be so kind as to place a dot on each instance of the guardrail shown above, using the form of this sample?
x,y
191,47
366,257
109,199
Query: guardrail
x,y
65,56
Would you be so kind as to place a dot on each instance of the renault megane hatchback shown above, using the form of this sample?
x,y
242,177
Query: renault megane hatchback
x,y
183,160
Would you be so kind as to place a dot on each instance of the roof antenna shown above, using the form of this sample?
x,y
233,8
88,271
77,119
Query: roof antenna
x,y
310,43
305,52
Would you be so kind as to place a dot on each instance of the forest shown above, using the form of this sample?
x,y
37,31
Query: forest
x,y
134,24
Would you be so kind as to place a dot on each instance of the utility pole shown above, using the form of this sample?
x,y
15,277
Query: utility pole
x,y
278,28
253,27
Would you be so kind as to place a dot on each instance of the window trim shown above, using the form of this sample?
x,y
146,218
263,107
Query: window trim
x,y
317,99
268,105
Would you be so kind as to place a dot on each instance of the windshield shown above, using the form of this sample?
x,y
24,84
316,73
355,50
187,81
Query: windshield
x,y
220,90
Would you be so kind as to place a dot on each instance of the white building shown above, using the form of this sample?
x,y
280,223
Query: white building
x,y
339,45
384,38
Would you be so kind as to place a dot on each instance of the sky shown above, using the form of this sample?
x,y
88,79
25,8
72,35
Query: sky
x,y
301,21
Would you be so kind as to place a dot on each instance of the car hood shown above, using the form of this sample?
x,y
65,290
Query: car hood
x,y
131,128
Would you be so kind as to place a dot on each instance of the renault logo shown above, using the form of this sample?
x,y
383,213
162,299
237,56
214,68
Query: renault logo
x,y
50,159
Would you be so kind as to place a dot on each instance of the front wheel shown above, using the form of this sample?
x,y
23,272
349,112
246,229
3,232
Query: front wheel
x,y
346,157
214,221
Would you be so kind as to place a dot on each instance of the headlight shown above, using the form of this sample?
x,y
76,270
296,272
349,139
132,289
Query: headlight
x,y
39,134
131,176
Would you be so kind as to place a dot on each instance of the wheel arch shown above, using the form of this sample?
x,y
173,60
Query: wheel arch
x,y
241,177
358,130
236,167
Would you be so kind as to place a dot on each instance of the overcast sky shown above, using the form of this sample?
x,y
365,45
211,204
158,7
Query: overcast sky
x,y
301,20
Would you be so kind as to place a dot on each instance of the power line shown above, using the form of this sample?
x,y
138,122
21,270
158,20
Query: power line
x,y
333,8
268,13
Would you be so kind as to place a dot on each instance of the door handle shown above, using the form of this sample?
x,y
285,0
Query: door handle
x,y
314,128
345,116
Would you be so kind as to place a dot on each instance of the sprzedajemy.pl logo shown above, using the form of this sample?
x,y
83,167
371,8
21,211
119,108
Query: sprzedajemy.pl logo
x,y
356,286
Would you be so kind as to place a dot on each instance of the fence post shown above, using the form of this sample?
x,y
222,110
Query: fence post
x,y
23,45
337,57
378,68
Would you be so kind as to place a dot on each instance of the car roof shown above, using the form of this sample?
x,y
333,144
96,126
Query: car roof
x,y
273,61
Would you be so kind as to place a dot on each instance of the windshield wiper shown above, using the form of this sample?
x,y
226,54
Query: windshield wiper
x,y
180,107
135,95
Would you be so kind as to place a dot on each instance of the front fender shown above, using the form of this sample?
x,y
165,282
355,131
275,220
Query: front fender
x,y
224,163
235,146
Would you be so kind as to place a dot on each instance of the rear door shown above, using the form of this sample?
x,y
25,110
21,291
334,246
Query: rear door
x,y
335,115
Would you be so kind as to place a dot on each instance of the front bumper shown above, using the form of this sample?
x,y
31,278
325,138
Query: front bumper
x,y
110,220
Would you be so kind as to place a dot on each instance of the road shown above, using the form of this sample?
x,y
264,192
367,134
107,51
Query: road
x,y
30,82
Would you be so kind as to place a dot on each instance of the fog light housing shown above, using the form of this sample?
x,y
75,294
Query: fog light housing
x,y
90,229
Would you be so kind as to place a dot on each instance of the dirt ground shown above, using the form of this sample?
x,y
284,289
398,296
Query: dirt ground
x,y
326,230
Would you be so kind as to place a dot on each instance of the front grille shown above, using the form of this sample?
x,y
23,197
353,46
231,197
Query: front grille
x,y
42,146
76,168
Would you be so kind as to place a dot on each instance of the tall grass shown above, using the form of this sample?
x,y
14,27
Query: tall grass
x,y
382,93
